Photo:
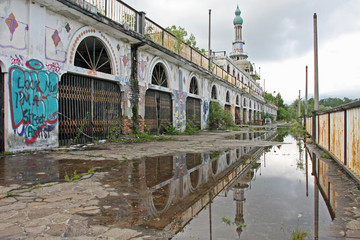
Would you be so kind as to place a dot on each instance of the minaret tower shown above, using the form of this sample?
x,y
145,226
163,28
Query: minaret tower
x,y
238,45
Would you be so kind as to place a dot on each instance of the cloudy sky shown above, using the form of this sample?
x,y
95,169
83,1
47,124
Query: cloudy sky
x,y
278,38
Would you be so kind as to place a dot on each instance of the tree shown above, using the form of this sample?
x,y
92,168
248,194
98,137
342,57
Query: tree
x,y
180,33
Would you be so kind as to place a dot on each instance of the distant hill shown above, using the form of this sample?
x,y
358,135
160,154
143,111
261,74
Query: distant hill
x,y
334,102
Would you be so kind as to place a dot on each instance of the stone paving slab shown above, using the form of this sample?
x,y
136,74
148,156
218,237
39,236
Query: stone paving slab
x,y
57,212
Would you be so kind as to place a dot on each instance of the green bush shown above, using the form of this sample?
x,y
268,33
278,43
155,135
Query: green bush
x,y
219,118
171,130
191,128
115,130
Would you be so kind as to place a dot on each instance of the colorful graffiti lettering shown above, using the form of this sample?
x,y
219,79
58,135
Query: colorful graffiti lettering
x,y
33,100
53,67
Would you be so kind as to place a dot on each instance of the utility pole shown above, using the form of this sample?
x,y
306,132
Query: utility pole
x,y
306,90
316,71
299,105
209,50
264,84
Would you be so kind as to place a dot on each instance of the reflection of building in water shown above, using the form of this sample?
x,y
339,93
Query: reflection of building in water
x,y
173,189
239,186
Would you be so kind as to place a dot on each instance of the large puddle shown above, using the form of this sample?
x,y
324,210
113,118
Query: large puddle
x,y
245,192
268,202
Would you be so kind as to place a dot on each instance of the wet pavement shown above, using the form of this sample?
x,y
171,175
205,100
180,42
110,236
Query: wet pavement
x,y
249,188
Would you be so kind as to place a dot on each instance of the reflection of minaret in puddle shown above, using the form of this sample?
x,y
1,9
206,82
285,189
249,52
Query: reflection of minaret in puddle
x,y
239,198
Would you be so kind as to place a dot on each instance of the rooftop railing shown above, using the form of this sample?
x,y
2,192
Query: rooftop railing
x,y
117,11
125,15
166,39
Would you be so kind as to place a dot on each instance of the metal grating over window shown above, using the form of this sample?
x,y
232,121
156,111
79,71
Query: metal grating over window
x,y
91,54
159,76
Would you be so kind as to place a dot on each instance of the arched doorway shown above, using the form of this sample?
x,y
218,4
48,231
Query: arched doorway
x,y
88,107
214,93
237,110
158,105
228,105
193,105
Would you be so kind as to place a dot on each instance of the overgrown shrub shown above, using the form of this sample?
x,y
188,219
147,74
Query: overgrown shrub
x,y
171,130
219,118
191,128
115,130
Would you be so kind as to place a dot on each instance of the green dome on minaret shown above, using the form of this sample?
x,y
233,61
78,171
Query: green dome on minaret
x,y
238,20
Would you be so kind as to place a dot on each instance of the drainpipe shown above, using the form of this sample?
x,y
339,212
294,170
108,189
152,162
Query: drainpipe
x,y
299,105
306,90
141,23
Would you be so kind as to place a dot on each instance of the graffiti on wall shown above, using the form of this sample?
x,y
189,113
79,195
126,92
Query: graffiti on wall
x,y
53,46
33,100
13,33
125,69
142,67
206,109
17,60
180,108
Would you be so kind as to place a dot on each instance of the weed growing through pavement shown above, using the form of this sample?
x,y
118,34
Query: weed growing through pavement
x,y
10,194
34,187
298,234
67,178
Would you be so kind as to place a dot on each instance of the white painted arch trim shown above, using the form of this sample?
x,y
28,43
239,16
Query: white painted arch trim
x,y
166,66
198,81
85,32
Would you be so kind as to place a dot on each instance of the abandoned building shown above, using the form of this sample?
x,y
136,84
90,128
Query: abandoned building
x,y
71,69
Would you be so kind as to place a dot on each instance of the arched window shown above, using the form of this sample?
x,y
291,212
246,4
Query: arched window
x,y
91,54
227,97
237,100
234,72
159,76
228,68
193,86
213,93
238,77
244,102
242,79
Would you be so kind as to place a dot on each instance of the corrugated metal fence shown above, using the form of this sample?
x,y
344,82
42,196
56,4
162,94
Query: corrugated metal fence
x,y
338,132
